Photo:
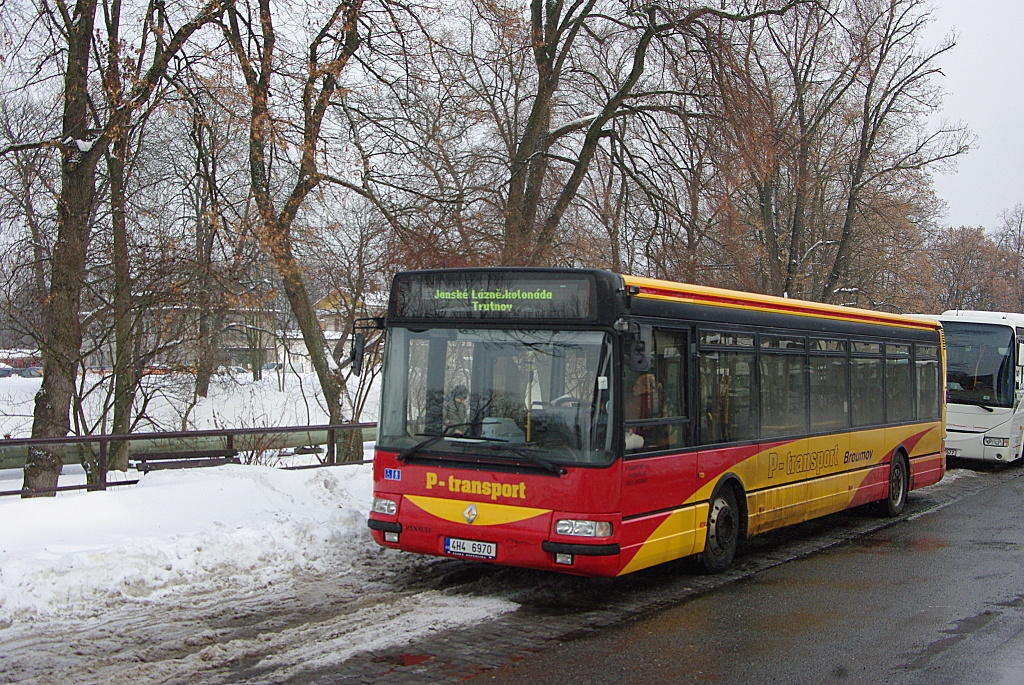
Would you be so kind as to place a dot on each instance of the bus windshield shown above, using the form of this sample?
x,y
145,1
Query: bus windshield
x,y
979,363
525,396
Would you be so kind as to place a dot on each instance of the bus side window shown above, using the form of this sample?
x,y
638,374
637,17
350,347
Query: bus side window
x,y
929,381
728,409
655,400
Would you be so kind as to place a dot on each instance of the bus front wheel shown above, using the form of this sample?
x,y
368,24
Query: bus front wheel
x,y
723,532
899,485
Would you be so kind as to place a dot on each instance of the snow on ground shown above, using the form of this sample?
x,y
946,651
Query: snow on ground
x,y
234,536
175,527
249,524
953,474
235,401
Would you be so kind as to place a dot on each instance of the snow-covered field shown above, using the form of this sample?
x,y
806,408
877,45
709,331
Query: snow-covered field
x,y
241,525
167,402
237,524
183,547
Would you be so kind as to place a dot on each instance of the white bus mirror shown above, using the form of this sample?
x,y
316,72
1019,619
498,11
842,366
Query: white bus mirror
x,y
1020,354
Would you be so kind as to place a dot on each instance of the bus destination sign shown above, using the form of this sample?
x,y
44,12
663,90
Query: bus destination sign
x,y
485,295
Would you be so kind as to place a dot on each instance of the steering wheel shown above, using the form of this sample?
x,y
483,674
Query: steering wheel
x,y
566,401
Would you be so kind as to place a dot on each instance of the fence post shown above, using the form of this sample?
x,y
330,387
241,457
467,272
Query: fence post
x,y
332,447
104,448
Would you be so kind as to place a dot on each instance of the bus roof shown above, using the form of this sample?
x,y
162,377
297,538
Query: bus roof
x,y
698,294
977,316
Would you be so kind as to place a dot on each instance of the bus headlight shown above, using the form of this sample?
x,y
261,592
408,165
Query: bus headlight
x,y
997,442
586,529
382,505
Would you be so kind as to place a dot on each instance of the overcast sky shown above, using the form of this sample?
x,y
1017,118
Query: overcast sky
x,y
983,84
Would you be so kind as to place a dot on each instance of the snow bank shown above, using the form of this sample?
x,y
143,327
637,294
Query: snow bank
x,y
246,525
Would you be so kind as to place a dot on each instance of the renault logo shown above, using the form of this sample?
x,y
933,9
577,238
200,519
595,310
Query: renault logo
x,y
470,513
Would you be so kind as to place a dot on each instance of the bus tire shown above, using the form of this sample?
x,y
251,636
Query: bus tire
x,y
899,485
723,532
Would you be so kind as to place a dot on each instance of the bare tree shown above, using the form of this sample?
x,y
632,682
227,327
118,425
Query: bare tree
x,y
27,198
210,168
970,270
895,89
781,87
531,219
254,39
1010,239
82,144
352,265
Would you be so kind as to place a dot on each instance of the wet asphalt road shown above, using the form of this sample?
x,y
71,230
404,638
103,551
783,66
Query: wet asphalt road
x,y
936,598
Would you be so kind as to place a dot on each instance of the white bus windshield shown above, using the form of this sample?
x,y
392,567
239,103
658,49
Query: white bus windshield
x,y
979,363
506,395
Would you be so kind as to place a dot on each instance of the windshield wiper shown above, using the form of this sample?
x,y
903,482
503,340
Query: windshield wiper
x,y
437,437
532,458
444,434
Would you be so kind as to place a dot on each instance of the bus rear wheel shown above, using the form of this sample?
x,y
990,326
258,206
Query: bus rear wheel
x,y
723,532
899,486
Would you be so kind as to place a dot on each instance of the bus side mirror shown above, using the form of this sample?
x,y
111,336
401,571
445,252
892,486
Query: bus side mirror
x,y
358,351
1020,354
359,340
641,348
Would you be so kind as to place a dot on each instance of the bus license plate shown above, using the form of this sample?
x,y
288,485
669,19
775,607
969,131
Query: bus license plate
x,y
952,452
471,548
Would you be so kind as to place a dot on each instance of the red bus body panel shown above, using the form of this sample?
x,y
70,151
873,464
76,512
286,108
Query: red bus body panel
x,y
657,505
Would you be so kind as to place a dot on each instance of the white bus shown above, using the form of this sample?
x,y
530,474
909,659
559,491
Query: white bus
x,y
985,384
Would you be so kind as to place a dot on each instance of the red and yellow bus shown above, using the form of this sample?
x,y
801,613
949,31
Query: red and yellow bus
x,y
592,423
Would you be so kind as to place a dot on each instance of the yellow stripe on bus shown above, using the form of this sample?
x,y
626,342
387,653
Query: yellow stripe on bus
x,y
674,538
789,483
767,308
732,299
487,514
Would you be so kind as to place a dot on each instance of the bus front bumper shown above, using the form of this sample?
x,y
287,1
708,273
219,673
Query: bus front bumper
x,y
523,548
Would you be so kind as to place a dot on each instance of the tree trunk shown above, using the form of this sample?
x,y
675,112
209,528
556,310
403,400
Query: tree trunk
x,y
840,264
61,339
350,447
210,324
796,234
528,168
211,316
769,224
125,381
61,348
305,315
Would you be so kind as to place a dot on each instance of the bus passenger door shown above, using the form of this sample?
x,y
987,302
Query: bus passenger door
x,y
727,411
659,470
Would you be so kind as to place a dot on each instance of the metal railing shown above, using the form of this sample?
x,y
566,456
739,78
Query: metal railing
x,y
14,452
